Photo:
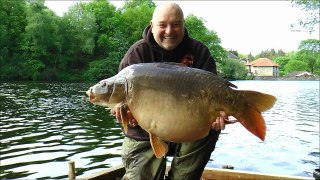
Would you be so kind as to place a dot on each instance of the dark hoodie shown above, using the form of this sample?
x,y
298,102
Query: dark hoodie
x,y
190,52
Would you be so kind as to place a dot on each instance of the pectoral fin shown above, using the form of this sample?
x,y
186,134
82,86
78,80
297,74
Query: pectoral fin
x,y
124,119
160,148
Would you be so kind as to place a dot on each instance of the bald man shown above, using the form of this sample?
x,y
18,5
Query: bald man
x,y
166,40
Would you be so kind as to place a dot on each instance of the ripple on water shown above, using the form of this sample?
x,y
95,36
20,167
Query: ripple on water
x,y
44,125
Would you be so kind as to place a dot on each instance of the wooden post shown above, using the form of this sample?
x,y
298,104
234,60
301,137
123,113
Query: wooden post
x,y
72,170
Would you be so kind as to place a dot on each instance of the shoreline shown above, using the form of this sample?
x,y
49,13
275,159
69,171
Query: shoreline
x,y
309,78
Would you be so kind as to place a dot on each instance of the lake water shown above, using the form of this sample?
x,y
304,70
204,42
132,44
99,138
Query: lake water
x,y
44,125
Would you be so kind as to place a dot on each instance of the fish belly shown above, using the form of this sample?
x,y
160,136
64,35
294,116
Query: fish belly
x,y
172,102
171,117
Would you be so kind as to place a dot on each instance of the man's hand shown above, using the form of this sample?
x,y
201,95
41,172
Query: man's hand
x,y
221,121
117,112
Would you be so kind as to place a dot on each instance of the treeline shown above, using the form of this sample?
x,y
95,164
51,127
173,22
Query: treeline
x,y
87,42
307,58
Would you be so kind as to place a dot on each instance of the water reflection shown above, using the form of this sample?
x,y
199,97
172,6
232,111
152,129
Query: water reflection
x,y
43,125
292,141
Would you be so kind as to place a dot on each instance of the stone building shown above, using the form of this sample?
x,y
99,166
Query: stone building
x,y
263,67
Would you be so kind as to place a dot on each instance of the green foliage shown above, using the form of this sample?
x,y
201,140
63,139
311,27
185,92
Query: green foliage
x,y
197,30
270,54
41,40
135,16
311,59
312,21
105,22
306,59
9,72
12,26
235,52
233,69
138,3
317,67
82,27
282,61
70,75
88,41
251,57
32,69
295,65
310,45
309,52
101,69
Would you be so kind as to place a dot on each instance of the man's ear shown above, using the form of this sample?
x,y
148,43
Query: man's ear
x,y
151,24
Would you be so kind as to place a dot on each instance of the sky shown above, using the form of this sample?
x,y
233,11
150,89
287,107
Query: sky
x,y
245,26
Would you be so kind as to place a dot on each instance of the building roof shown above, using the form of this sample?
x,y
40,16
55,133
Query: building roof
x,y
231,55
262,62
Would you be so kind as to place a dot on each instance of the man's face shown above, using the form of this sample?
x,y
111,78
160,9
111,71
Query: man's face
x,y
168,28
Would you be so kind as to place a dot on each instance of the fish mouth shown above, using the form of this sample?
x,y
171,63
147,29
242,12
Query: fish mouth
x,y
91,95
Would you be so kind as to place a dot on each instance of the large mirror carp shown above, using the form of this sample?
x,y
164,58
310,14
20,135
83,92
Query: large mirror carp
x,y
176,103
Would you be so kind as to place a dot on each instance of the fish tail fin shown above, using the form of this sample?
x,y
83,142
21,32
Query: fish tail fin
x,y
261,101
253,121
251,117
160,148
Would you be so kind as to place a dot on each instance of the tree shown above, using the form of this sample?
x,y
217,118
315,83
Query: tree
x,y
106,26
271,54
42,42
311,6
281,53
197,30
78,29
295,65
250,57
233,69
309,52
86,42
135,16
310,44
82,26
12,27
117,31
101,69
282,61
235,52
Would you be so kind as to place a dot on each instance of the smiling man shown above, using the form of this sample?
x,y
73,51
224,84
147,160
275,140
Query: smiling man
x,y
167,28
166,40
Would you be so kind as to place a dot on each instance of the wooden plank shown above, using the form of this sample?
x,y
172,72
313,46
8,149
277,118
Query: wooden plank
x,y
227,174
113,173
116,173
